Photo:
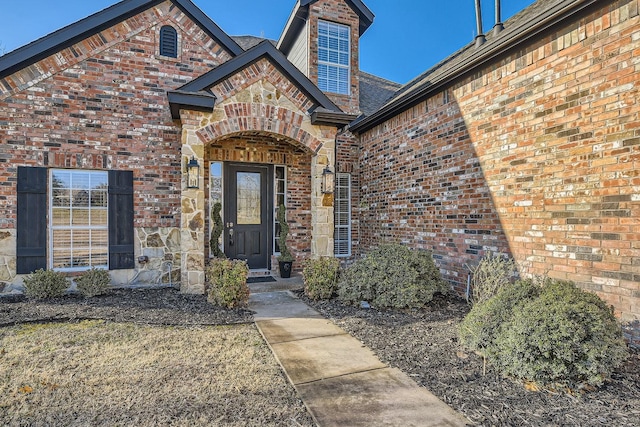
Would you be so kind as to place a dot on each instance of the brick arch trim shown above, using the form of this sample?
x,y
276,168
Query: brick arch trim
x,y
268,119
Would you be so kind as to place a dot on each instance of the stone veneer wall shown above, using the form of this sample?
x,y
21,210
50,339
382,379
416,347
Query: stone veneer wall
x,y
7,258
537,155
257,100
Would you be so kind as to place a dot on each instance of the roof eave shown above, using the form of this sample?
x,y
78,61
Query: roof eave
x,y
195,101
321,116
80,30
525,32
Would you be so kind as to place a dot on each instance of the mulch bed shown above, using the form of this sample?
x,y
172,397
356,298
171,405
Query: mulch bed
x,y
165,306
423,344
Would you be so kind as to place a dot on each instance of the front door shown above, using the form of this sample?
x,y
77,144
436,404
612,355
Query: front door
x,y
248,207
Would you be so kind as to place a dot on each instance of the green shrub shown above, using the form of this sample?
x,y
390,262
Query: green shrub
x,y
227,282
214,242
321,277
93,282
45,284
285,254
392,276
492,273
566,337
481,325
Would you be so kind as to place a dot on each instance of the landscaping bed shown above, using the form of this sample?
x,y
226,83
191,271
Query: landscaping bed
x,y
165,306
424,344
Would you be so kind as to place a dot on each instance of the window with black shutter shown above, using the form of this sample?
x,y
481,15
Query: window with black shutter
x,y
168,42
31,227
121,253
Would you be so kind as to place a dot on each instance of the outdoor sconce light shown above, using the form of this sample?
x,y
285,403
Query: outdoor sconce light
x,y
193,173
327,181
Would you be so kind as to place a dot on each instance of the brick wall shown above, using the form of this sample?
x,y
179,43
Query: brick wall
x,y
537,155
101,104
337,11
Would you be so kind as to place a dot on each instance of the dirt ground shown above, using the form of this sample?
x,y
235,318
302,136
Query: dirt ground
x,y
423,343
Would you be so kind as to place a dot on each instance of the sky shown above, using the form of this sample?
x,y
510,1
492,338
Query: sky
x,y
406,38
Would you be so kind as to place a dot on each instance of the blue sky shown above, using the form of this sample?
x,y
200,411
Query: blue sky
x,y
406,38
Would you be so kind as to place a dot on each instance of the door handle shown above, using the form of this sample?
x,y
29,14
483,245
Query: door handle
x,y
231,237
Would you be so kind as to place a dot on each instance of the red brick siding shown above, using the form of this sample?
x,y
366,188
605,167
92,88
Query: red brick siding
x,y
106,109
337,11
538,154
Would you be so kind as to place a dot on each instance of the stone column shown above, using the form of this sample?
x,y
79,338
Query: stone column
x,y
192,229
322,204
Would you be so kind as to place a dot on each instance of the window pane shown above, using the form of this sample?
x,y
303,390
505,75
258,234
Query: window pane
x,y
80,216
81,239
80,198
248,198
99,217
61,197
98,198
60,216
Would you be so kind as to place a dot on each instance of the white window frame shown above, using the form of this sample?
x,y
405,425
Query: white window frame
x,y
72,227
211,202
334,65
343,181
275,202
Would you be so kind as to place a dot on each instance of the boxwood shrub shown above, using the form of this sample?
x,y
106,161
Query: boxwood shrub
x,y
321,277
555,335
484,322
93,282
566,337
392,276
227,282
45,284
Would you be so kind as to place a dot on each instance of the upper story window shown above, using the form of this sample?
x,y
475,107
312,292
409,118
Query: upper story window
x,y
168,42
333,57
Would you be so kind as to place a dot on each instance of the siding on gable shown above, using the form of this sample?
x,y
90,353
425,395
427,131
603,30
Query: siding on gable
x,y
299,55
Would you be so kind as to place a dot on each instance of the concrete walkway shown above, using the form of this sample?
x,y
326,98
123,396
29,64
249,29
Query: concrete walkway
x,y
340,380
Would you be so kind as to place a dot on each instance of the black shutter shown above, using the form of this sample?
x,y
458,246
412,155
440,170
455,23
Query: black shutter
x,y
168,42
121,220
31,247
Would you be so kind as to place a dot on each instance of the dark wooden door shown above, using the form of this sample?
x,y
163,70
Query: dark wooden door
x,y
248,213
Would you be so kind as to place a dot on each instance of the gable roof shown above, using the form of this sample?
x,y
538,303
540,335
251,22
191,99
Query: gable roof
x,y
299,16
532,22
80,30
327,111
375,92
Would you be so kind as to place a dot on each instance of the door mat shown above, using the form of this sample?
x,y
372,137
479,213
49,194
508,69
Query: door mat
x,y
261,279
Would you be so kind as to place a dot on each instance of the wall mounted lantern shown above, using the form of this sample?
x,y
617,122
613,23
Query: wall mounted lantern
x,y
193,173
327,181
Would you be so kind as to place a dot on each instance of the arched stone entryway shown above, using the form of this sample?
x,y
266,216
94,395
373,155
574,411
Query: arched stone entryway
x,y
260,134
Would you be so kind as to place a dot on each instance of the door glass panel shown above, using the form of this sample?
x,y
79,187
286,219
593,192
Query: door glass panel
x,y
248,198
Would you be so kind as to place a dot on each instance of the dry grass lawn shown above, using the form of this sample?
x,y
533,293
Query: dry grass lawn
x,y
103,373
